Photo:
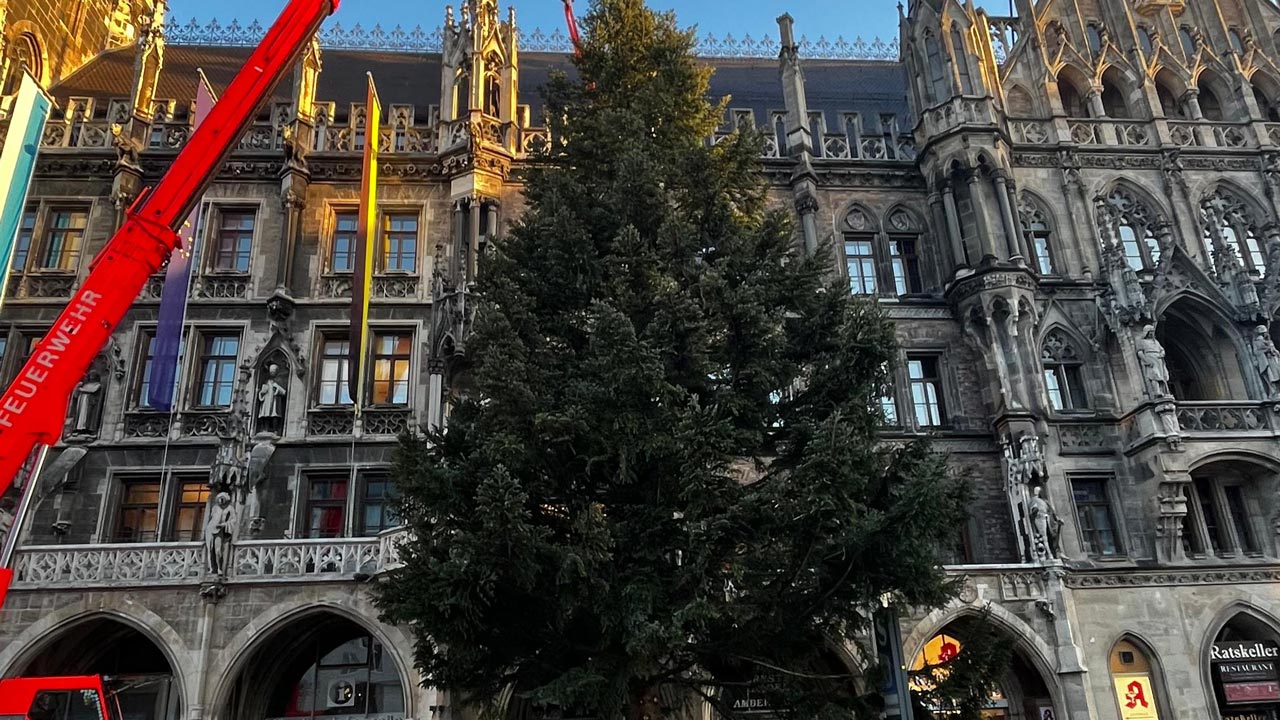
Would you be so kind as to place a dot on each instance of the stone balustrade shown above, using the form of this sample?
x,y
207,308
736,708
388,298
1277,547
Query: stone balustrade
x,y
65,567
1225,417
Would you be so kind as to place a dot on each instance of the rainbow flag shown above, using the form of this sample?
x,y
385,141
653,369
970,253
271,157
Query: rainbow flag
x,y
177,282
366,239
27,116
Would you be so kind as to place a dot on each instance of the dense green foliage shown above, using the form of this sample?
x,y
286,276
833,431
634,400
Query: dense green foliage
x,y
666,471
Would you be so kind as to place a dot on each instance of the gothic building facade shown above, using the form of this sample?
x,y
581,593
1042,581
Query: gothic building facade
x,y
1071,216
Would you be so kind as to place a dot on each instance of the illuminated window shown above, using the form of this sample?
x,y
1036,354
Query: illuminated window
x,y
188,511
392,353
333,378
138,514
63,239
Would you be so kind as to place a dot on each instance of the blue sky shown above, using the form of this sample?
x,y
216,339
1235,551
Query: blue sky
x,y
830,18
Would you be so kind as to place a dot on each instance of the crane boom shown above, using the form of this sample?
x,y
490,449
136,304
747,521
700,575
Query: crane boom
x,y
34,407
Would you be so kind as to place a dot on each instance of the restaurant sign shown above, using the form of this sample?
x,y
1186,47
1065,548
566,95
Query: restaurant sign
x,y
1247,671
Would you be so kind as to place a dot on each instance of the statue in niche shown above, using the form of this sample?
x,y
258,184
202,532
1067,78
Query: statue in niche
x,y
218,530
271,402
1268,360
1046,526
88,404
1151,357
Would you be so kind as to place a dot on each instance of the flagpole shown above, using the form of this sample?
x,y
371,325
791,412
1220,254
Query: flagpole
x,y
27,116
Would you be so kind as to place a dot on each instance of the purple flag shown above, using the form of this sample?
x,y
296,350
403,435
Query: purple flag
x,y
173,298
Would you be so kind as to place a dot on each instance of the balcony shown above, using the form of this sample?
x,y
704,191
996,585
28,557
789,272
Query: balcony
x,y
1226,418
1106,132
63,567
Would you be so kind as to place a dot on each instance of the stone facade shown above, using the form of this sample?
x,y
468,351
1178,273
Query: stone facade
x,y
1070,215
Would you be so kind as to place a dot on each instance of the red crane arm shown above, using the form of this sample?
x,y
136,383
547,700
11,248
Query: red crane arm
x,y
34,407
573,27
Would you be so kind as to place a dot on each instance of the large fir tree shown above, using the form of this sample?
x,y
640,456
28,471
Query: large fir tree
x,y
666,473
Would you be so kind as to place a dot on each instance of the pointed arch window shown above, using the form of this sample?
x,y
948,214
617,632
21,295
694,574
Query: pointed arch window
x,y
960,56
1134,227
904,253
1063,373
937,71
1038,233
1134,681
859,252
1230,233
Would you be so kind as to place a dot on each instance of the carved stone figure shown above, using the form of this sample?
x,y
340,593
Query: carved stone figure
x,y
271,402
88,401
1045,526
1151,357
217,533
228,471
1268,360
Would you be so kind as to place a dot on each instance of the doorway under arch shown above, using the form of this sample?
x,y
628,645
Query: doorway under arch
x,y
1243,658
140,673
318,665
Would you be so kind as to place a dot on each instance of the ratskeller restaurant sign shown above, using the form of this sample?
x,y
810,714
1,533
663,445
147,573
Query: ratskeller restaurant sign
x,y
1246,670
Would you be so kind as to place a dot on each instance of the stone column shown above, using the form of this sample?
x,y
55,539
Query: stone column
x,y
459,241
473,241
954,233
292,199
435,395
980,219
1006,217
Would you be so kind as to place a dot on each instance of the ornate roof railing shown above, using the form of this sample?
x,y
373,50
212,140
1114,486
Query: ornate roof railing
x,y
417,40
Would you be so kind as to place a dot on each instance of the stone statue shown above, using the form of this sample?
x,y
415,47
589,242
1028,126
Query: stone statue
x,y
1268,360
271,402
1045,526
1151,357
88,397
228,471
218,529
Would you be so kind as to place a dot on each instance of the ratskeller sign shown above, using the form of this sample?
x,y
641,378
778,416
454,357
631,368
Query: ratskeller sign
x,y
1247,671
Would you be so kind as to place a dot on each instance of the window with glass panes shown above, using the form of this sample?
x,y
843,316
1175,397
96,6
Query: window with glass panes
x,y
218,354
335,358
926,390
859,258
1206,510
233,242
138,513
392,352
146,356
342,251
1037,232
1093,512
326,509
400,242
376,505
188,510
1234,495
22,243
906,266
63,239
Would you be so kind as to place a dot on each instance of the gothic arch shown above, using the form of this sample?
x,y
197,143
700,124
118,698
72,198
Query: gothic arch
x,y
1145,197
1206,355
1020,103
1171,88
1026,640
24,38
238,653
1250,456
1218,101
1082,347
900,218
54,627
1121,92
1156,672
1073,90
1264,622
1266,93
857,217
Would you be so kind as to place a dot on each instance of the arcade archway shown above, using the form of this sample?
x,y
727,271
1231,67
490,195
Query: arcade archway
x,y
137,668
1019,692
319,665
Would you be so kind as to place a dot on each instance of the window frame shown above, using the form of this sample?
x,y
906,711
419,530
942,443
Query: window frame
x,y
1108,504
360,526
22,249
383,254
352,505
1236,537
324,337
176,488
120,486
371,366
337,214
910,264
213,251
41,242
870,239
939,388
309,503
197,378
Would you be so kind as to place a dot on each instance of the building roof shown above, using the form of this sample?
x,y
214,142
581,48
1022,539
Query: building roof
x,y
833,87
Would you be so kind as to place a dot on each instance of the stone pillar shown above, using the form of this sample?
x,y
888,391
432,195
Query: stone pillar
x,y
459,241
980,219
1006,217
293,193
1096,108
954,233
435,396
473,241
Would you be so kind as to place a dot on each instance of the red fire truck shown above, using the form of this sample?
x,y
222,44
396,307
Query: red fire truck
x,y
34,406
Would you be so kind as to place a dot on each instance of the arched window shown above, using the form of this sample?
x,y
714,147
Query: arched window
x,y
1188,41
1241,663
961,57
1223,515
937,69
1210,105
1134,679
1113,100
1229,226
1262,97
1169,98
859,252
904,253
1038,234
1063,376
1134,226
1073,103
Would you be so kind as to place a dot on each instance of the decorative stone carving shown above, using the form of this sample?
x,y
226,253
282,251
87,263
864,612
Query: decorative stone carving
x,y
86,412
1155,374
1036,521
272,400
218,530
1267,359
1046,526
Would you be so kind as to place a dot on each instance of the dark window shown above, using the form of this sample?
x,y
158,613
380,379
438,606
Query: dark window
x,y
1095,39
1236,43
926,391
859,258
1208,511
1144,38
218,354
399,243
1066,386
1188,42
148,347
1093,511
906,266
334,386
937,70
1038,233
234,241
342,253
391,355
188,514
138,516
377,512
22,244
1240,518
961,55
63,239
326,507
